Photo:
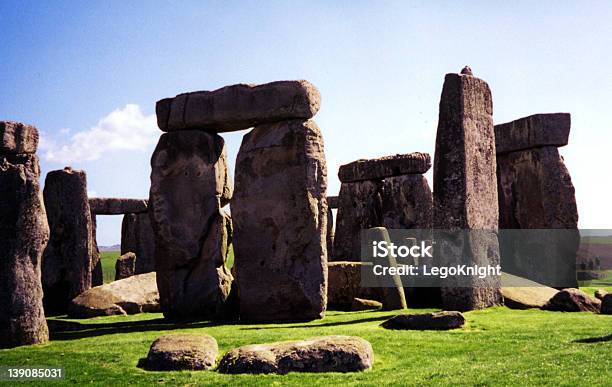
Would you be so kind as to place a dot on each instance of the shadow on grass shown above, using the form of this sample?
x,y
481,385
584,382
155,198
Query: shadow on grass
x,y
329,324
599,339
71,330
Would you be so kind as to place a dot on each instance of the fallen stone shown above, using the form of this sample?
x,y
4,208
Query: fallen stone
x,y
132,295
383,167
137,236
390,287
407,203
572,300
600,294
114,206
238,107
536,192
24,233
359,208
280,218
606,304
465,189
67,261
125,266
359,304
427,321
17,138
189,181
534,131
319,354
182,351
520,293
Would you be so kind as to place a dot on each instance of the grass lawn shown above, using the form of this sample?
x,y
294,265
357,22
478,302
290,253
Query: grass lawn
x,y
108,259
497,346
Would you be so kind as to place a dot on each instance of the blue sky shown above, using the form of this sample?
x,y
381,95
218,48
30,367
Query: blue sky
x,y
88,74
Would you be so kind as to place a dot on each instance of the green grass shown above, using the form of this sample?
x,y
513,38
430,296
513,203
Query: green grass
x,y
497,346
108,259
604,283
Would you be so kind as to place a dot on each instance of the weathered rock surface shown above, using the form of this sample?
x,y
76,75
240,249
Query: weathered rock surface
x,y
427,321
536,192
359,304
67,261
319,354
332,202
600,294
383,167
344,284
572,300
125,266
359,208
238,107
465,187
137,236
182,351
136,294
17,138
189,180
97,277
520,293
390,287
407,203
606,304
116,206
24,233
534,131
280,219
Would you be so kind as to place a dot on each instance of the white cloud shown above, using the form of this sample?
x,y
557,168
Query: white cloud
x,y
122,129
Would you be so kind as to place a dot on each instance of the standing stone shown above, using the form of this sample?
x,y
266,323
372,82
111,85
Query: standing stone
x,y
137,236
359,208
465,188
536,192
23,236
407,203
125,266
67,262
280,215
97,276
189,183
388,191
238,107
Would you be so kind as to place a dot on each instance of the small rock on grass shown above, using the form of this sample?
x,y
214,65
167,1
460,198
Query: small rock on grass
x,y
181,352
428,321
359,304
319,354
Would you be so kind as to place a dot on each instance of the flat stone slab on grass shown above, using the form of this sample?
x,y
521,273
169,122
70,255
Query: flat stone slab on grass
x,y
427,321
136,294
388,166
238,107
177,352
319,354
521,293
537,130
572,300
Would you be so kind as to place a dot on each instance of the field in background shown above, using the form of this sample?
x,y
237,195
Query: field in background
x,y
109,258
498,346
